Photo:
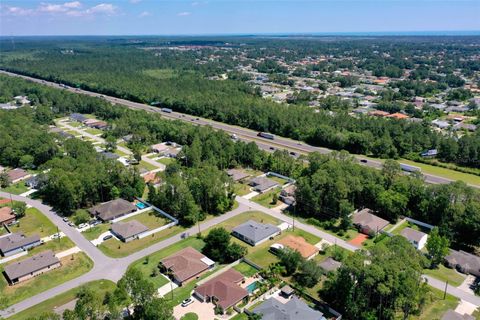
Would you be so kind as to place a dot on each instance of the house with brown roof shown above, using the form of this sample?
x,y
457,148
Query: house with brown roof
x,y
185,265
17,175
128,231
299,244
14,243
224,290
113,209
398,116
26,269
6,216
368,223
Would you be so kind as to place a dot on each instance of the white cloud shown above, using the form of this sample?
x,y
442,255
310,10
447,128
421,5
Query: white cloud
x,y
15,11
184,14
58,8
144,14
103,8
195,3
71,9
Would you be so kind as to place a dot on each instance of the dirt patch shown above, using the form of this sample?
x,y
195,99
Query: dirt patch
x,y
359,239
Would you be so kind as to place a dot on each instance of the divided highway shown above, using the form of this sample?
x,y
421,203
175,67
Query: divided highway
x,y
294,147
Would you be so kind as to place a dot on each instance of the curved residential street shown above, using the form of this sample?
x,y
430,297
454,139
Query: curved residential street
x,y
113,269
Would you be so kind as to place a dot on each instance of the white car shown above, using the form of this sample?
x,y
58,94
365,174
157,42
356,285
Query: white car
x,y
83,225
187,302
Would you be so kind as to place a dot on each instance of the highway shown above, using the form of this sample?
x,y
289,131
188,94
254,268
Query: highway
x,y
294,147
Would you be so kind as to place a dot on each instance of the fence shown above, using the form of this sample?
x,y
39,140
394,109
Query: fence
x,y
150,232
278,175
158,210
420,223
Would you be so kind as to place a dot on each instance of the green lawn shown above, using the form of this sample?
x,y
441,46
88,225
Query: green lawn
x,y
476,314
95,232
244,217
245,269
166,161
93,131
147,165
34,222
70,269
446,274
57,245
265,199
16,188
190,316
149,219
436,306
117,249
241,189
147,265
121,153
278,180
406,224
99,286
74,124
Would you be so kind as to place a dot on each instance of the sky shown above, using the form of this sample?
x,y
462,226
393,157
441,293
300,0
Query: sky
x,y
182,17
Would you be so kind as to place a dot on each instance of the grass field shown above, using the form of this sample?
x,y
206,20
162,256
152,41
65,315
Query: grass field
x,y
147,265
245,269
446,274
117,249
436,307
241,189
166,161
244,217
99,286
16,188
95,232
70,269
265,199
93,131
149,219
278,180
34,222
147,165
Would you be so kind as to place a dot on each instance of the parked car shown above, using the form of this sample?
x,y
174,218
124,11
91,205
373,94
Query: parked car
x,y
92,222
56,236
107,237
65,219
187,302
83,225
71,224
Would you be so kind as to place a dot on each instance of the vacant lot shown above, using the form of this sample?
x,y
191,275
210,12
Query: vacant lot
x,y
34,222
16,188
70,269
265,199
436,306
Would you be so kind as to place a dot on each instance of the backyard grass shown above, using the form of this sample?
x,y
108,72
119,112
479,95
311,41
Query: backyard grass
x,y
446,274
16,188
265,199
121,153
99,286
241,189
57,245
436,306
34,222
258,216
407,224
278,180
74,124
166,161
70,269
149,219
146,265
95,232
147,165
93,131
117,249
245,269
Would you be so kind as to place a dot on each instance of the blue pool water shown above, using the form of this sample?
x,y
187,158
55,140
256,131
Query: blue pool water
x,y
251,287
141,205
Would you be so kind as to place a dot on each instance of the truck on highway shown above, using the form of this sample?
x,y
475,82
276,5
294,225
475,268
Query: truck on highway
x,y
409,168
266,135
167,110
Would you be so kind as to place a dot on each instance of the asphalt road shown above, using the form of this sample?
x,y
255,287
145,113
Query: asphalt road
x,y
244,134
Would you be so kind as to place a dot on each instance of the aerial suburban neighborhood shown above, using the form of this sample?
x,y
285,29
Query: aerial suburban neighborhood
x,y
226,174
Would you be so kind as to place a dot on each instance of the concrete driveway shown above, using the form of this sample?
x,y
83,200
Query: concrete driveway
x,y
205,311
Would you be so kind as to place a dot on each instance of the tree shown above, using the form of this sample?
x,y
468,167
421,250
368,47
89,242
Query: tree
x,y
218,246
157,309
110,143
290,259
89,305
437,247
309,273
19,208
81,216
140,291
4,180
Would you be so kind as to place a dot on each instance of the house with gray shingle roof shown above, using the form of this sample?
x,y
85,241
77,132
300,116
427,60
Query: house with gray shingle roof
x,y
254,233
294,309
262,184
453,315
26,269
415,237
464,262
112,209
127,231
17,242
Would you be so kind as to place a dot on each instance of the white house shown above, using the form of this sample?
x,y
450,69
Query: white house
x,y
417,238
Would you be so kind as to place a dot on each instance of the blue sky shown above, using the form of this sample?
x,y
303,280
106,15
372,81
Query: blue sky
x,y
167,17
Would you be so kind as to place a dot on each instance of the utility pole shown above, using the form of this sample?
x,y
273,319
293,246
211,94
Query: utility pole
x,y
445,292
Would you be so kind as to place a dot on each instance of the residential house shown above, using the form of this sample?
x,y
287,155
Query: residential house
x,y
368,223
237,174
254,233
330,265
287,195
127,231
398,116
21,100
262,184
166,149
17,175
378,113
185,265
294,309
78,117
6,216
224,290
31,267
35,182
113,209
299,244
440,123
464,262
467,126
15,243
453,315
417,238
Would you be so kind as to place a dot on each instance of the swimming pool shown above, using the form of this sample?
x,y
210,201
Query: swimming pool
x,y
141,205
252,286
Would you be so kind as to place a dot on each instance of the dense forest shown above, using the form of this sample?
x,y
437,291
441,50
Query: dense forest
x,y
174,79
329,188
